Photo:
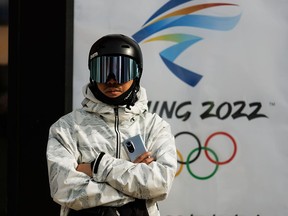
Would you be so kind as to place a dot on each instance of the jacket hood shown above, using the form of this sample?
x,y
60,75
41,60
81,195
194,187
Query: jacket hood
x,y
92,104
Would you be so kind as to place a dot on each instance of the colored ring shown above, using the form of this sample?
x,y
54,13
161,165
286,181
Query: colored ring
x,y
181,165
199,146
234,144
199,177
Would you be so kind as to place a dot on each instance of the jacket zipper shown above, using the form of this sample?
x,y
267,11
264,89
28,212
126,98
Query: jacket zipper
x,y
118,138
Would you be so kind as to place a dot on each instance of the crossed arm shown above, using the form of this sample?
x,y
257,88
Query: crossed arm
x,y
86,167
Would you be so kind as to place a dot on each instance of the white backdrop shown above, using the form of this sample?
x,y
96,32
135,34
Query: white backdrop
x,y
231,122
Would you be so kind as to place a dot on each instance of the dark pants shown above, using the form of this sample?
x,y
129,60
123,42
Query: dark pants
x,y
136,208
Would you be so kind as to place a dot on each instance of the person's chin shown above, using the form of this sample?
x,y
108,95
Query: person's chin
x,y
113,94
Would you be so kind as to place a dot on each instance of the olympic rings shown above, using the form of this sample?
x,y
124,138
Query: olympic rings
x,y
215,161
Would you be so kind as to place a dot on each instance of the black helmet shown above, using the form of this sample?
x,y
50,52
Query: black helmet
x,y
119,56
116,54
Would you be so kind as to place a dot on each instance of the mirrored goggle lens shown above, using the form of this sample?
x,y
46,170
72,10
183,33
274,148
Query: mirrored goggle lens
x,y
122,67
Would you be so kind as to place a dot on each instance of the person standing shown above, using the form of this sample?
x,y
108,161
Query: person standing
x,y
89,170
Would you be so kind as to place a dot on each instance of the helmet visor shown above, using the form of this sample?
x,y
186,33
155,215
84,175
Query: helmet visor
x,y
122,68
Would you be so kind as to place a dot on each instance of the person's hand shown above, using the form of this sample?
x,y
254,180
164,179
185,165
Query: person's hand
x,y
144,158
85,168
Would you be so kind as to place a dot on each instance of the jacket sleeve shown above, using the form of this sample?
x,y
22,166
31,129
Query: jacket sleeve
x,y
71,188
140,180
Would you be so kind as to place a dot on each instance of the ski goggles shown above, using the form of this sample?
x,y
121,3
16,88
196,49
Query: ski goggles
x,y
122,68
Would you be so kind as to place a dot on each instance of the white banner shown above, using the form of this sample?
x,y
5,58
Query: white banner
x,y
217,71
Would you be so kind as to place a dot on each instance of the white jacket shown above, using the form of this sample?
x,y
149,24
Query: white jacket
x,y
79,137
